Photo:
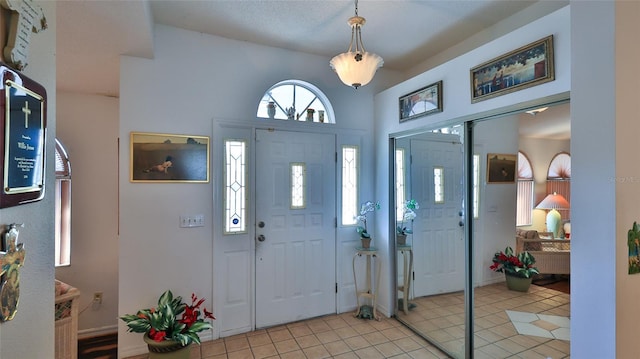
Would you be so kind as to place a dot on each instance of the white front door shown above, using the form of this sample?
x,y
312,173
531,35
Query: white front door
x,y
438,239
295,230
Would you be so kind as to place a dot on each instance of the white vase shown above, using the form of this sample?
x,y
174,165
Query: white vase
x,y
271,109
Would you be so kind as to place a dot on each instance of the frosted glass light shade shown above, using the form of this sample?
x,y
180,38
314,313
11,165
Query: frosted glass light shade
x,y
356,73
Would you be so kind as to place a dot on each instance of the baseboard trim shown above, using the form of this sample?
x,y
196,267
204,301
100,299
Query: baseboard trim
x,y
95,332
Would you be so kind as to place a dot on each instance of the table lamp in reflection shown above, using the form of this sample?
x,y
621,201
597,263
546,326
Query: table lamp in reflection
x,y
553,202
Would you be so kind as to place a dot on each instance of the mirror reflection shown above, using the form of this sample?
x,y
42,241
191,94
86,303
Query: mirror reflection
x,y
430,269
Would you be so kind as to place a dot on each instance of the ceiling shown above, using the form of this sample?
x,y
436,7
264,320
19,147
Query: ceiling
x,y
91,35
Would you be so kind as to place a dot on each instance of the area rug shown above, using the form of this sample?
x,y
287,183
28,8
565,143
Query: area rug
x,y
561,283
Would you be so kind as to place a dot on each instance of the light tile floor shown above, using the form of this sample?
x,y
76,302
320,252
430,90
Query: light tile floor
x,y
440,317
333,336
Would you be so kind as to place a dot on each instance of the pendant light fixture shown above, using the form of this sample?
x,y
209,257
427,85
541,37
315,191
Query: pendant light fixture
x,y
356,67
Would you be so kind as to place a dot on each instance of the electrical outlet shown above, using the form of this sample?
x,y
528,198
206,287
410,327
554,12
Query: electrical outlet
x,y
97,297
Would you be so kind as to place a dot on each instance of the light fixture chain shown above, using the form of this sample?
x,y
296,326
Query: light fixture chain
x,y
356,7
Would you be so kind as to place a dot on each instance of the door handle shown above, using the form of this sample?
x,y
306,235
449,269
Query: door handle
x,y
261,238
261,224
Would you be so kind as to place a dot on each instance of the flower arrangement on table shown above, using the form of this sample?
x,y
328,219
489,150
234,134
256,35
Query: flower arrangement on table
x,y
365,209
520,265
165,323
408,215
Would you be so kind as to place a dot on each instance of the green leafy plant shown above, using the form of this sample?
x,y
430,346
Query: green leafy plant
x,y
365,209
162,322
408,215
520,265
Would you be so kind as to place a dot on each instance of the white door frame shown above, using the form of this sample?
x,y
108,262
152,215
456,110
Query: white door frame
x,y
235,300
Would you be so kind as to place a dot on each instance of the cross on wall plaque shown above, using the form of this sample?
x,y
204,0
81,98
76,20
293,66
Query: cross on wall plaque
x,y
22,138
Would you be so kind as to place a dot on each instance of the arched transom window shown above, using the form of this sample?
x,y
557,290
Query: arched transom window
x,y
295,100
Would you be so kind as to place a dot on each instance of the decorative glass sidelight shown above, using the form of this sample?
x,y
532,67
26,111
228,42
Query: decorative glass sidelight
x,y
235,186
400,183
298,185
438,184
349,184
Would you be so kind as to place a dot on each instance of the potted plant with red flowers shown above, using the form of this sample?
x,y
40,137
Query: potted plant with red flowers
x,y
518,269
170,327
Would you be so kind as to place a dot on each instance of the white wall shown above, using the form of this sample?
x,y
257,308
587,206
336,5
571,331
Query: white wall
x,y
35,311
627,174
496,223
457,98
593,192
193,81
88,128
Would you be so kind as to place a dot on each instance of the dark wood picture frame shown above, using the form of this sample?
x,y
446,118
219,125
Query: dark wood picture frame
x,y
527,66
23,125
161,157
422,102
501,168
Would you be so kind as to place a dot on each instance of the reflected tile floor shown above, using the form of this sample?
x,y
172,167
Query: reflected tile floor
x,y
441,319
540,325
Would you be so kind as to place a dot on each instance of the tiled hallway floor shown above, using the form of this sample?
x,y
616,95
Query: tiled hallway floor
x,y
333,336
497,334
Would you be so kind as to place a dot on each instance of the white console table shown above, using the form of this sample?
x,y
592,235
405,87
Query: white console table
x,y
369,291
407,270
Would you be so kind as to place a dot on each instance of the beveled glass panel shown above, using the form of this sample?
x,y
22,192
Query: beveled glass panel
x,y
298,185
235,186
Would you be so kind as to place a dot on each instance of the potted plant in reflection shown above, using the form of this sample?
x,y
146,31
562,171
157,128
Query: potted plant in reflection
x,y
365,209
518,269
408,215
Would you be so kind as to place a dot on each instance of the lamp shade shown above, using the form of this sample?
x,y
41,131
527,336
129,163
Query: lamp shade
x,y
353,72
554,201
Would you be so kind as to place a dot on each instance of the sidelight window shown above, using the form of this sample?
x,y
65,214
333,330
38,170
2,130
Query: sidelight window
x,y
235,186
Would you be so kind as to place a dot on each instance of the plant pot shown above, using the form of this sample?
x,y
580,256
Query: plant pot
x,y
167,349
401,239
366,242
518,283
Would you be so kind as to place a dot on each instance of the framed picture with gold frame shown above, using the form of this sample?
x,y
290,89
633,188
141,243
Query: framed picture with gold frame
x,y
501,168
527,66
161,157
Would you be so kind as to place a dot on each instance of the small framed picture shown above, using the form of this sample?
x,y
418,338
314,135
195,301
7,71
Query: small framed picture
x,y
527,66
426,101
159,157
501,168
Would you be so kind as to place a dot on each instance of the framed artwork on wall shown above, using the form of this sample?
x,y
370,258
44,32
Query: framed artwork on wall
x,y
527,66
23,125
425,101
501,168
160,157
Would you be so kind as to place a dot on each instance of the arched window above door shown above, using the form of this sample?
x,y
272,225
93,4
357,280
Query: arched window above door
x,y
295,100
